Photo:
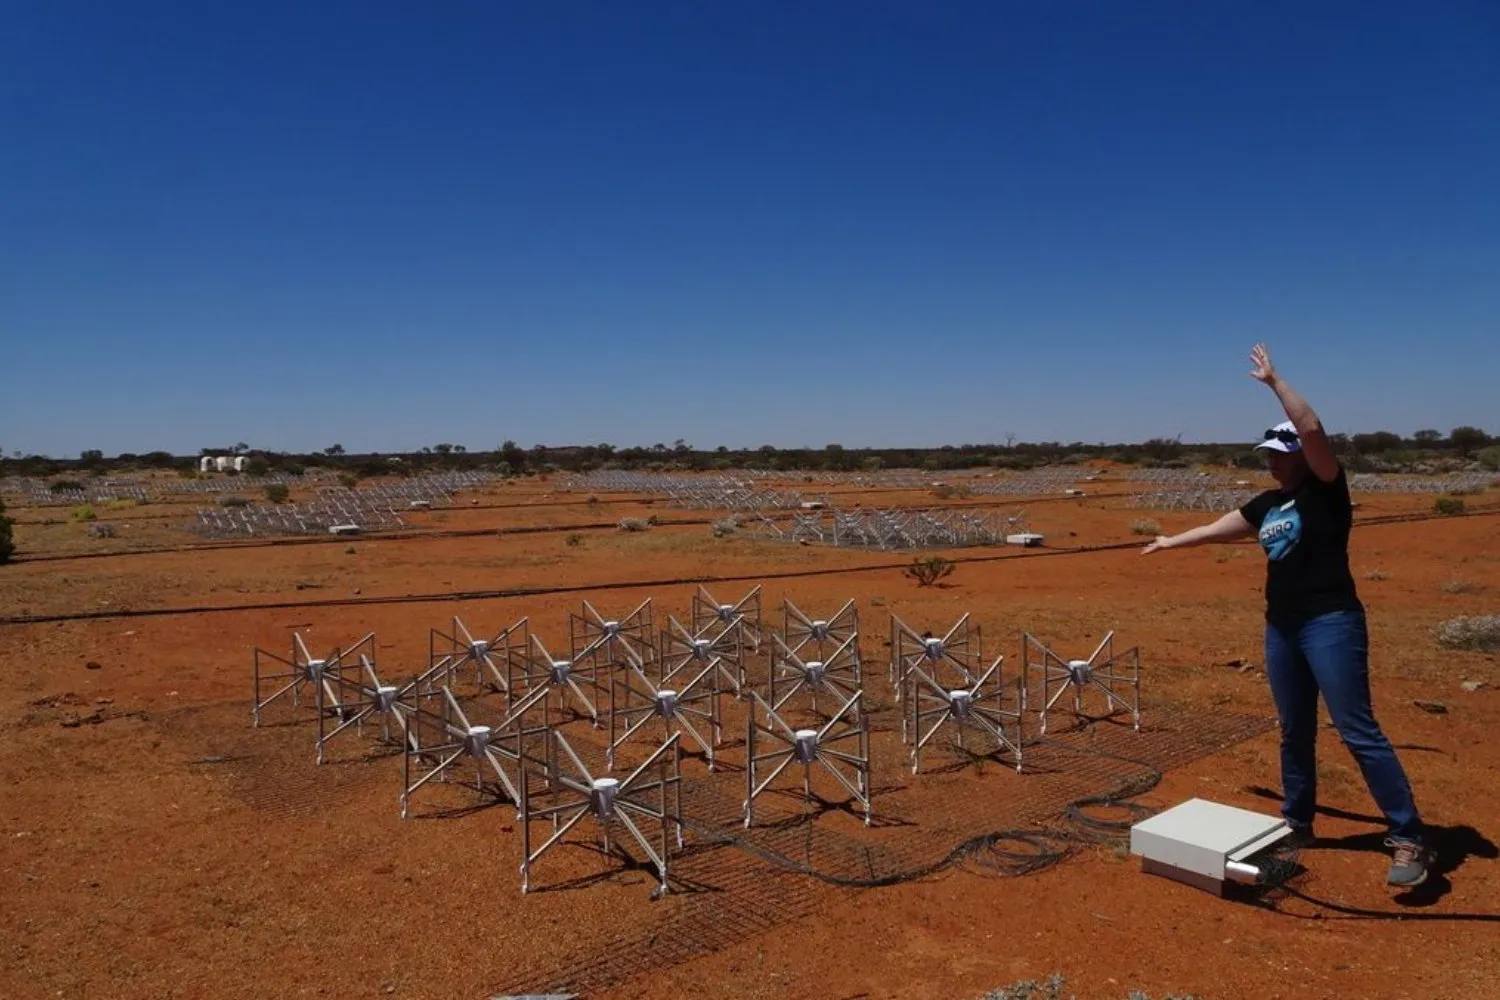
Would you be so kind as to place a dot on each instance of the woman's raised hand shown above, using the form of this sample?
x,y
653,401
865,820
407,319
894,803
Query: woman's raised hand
x,y
1261,368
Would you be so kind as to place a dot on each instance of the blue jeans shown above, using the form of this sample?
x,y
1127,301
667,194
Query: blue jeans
x,y
1330,654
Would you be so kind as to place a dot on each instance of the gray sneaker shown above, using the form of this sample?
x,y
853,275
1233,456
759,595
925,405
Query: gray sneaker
x,y
1408,864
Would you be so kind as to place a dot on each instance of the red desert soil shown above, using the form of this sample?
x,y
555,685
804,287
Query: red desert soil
x,y
153,844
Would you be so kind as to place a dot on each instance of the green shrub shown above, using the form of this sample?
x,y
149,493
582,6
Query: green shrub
x,y
257,466
633,524
66,486
7,539
930,570
1145,526
277,492
1448,505
233,502
348,480
573,540
1490,457
84,512
725,527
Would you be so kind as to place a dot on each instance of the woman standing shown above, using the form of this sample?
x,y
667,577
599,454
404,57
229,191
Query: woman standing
x,y
1316,638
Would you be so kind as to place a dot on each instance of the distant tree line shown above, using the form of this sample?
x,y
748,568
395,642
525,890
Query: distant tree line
x,y
1376,451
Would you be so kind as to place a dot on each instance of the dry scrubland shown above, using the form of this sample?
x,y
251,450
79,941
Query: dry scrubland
x,y
153,845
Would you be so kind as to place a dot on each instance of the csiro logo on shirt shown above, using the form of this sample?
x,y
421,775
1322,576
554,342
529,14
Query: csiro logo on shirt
x,y
1281,531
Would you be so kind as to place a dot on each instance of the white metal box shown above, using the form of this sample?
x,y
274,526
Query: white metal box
x,y
1205,843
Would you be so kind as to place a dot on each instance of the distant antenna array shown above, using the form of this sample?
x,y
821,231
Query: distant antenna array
x,y
490,714
894,529
1457,482
740,498
332,510
1192,499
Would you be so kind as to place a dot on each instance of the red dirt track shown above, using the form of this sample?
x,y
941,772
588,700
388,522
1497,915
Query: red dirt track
x,y
153,844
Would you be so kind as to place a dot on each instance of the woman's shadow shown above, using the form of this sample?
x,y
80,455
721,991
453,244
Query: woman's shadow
x,y
1451,847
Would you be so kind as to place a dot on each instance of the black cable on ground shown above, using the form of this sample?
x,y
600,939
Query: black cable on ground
x,y
1010,852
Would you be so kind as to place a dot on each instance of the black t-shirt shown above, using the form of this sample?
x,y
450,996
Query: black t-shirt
x,y
1305,535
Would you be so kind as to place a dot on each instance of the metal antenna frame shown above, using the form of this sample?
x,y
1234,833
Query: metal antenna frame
x,y
840,675
359,698
1081,675
961,708
302,669
498,746
961,648
605,800
633,632
709,613
536,668
463,649
724,649
798,629
806,746
634,700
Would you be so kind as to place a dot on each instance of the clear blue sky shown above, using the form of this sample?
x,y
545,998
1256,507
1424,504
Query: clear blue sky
x,y
872,223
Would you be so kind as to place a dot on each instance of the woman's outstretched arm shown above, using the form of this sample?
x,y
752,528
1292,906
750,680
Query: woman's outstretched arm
x,y
1227,528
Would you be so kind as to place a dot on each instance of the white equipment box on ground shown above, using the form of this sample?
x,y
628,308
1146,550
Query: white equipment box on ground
x,y
1204,843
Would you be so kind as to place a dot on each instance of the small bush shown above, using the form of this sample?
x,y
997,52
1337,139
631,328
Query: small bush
x,y
930,570
233,502
1490,457
102,530
633,524
1461,587
653,520
348,480
1448,505
1055,988
188,473
277,492
593,500
258,466
574,540
1145,526
724,527
1377,575
947,491
66,486
1480,633
7,539
84,512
